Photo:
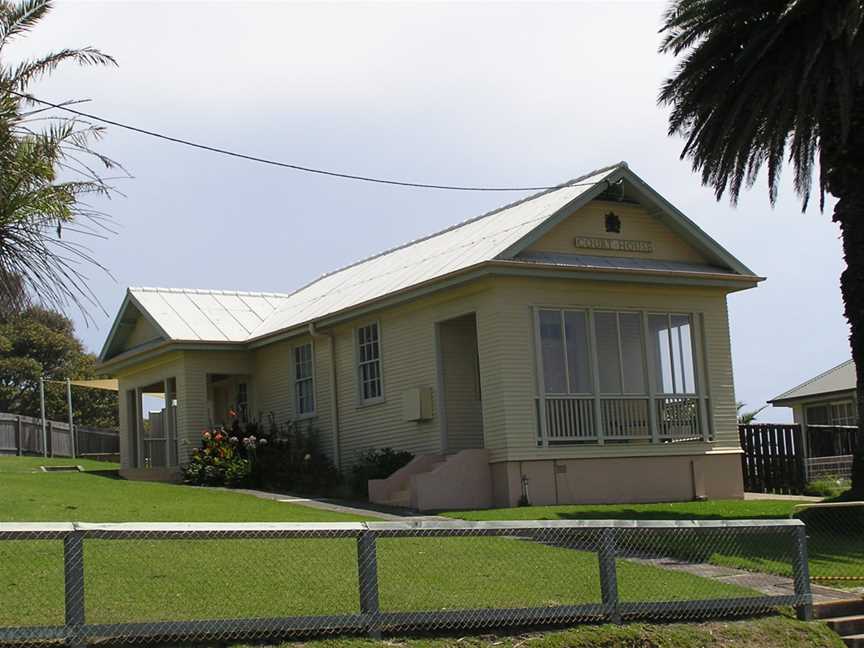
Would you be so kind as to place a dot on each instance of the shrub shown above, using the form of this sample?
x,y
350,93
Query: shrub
x,y
219,461
826,487
293,461
376,464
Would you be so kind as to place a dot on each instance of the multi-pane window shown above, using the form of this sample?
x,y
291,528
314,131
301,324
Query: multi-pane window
x,y
369,362
620,350
670,346
304,381
564,347
839,413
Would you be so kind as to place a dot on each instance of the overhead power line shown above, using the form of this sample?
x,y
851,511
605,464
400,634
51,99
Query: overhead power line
x,y
277,163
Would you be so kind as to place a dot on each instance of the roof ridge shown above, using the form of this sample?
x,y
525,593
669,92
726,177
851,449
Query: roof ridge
x,y
468,221
206,291
813,379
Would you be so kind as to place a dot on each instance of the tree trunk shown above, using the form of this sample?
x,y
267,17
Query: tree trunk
x,y
849,214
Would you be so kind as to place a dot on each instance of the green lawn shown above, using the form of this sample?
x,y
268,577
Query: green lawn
x,y
707,510
835,540
139,580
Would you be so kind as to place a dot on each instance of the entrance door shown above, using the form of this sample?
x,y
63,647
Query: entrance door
x,y
459,367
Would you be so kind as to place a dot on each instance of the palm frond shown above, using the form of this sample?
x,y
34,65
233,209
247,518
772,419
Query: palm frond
x,y
763,84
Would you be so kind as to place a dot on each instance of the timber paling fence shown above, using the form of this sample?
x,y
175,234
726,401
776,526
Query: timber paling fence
x,y
773,458
89,584
22,435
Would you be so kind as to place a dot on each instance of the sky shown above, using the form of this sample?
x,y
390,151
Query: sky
x,y
481,94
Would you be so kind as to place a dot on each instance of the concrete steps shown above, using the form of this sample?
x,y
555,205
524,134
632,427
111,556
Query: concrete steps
x,y
846,618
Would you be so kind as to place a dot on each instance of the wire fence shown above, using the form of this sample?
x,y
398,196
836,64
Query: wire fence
x,y
121,583
835,533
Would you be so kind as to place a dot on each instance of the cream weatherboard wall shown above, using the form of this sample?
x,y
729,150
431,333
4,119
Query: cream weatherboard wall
x,y
409,360
637,224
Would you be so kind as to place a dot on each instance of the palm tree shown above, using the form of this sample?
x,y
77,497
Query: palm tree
x,y
47,175
768,82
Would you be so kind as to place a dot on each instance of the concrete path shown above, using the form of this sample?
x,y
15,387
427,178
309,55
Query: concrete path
x,y
765,583
772,496
362,509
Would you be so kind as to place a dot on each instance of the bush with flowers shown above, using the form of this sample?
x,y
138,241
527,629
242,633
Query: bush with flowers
x,y
224,459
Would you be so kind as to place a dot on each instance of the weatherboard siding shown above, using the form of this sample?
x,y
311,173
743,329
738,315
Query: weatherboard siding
x,y
273,388
409,360
637,224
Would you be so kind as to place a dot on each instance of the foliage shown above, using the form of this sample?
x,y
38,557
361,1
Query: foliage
x,y
746,418
39,342
826,487
376,464
220,460
37,147
760,84
293,461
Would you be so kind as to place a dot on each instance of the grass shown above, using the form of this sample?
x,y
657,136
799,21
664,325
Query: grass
x,y
707,510
140,580
767,632
835,544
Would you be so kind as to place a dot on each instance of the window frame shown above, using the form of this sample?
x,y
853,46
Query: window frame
x,y
702,387
298,415
358,365
694,355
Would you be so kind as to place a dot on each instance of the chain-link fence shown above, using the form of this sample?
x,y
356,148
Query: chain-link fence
x,y
91,583
835,533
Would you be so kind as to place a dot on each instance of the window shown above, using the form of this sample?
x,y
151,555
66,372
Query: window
x,y
304,381
670,345
369,362
564,348
242,404
843,413
839,413
620,353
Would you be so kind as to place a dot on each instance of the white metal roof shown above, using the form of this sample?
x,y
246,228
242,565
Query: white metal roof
x,y
838,379
208,315
456,248
224,316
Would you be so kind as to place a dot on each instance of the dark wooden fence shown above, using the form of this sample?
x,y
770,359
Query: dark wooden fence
x,y
22,435
773,459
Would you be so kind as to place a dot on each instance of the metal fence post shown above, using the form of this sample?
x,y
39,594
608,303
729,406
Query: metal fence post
x,y
73,572
801,574
18,436
609,575
367,572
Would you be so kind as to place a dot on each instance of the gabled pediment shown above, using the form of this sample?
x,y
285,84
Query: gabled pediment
x,y
626,219
132,329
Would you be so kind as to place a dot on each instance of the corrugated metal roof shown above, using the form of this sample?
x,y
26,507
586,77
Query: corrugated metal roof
x,y
618,263
456,248
225,316
840,378
207,315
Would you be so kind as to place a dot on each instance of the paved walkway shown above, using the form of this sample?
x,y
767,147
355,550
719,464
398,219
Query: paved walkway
x,y
765,583
362,509
772,496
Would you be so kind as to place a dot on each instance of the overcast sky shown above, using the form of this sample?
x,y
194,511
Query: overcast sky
x,y
501,94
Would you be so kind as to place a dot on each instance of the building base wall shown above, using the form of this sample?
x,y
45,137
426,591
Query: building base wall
x,y
618,480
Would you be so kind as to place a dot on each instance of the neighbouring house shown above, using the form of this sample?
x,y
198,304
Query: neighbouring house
x,y
572,346
826,408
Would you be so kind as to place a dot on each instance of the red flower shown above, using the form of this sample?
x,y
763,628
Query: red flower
x,y
218,437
